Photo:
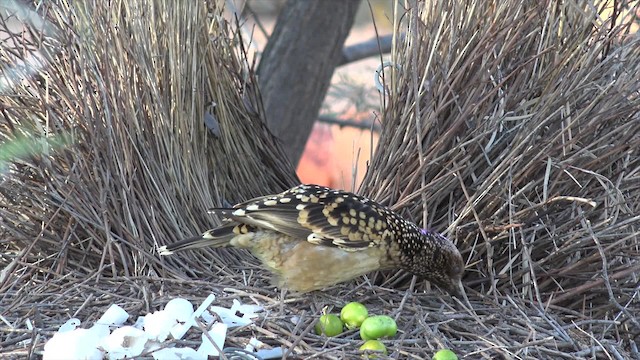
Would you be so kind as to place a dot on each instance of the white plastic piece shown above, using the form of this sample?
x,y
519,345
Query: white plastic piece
x,y
131,341
248,310
115,315
257,344
70,325
179,330
139,324
152,346
182,311
218,333
207,317
158,325
177,353
205,305
231,316
74,344
179,308
125,342
275,353
100,331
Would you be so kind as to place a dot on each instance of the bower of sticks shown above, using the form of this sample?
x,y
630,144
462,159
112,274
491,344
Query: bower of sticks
x,y
512,127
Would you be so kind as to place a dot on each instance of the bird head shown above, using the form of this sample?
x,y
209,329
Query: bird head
x,y
435,258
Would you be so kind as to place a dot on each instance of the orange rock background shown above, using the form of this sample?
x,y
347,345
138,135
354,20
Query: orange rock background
x,y
333,155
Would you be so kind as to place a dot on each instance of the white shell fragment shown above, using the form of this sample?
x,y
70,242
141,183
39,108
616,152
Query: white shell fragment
x,y
218,334
125,342
73,344
158,325
150,331
70,325
238,315
115,315
174,353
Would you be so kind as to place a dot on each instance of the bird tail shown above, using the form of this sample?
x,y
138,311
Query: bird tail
x,y
218,237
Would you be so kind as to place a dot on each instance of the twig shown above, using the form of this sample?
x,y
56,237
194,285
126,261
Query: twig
x,y
365,49
373,126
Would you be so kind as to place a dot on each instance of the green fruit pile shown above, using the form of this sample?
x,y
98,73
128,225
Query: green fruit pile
x,y
354,315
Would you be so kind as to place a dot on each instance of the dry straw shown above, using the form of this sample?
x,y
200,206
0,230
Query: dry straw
x,y
520,130
513,123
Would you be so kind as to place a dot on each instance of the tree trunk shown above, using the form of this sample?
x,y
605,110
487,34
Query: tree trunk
x,y
297,65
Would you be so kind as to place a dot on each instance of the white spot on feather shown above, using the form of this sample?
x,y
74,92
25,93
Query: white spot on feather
x,y
314,238
239,212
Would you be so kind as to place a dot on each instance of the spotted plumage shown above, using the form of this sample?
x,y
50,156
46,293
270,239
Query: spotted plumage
x,y
312,237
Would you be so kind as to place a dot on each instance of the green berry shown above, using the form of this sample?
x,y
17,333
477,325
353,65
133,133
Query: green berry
x,y
373,346
329,324
353,314
378,326
445,354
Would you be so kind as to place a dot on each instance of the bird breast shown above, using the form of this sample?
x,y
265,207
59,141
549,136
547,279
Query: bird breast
x,y
302,266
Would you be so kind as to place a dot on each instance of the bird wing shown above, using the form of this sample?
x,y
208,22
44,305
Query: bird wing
x,y
320,215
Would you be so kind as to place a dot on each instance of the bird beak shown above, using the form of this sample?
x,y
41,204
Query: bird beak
x,y
457,290
460,288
